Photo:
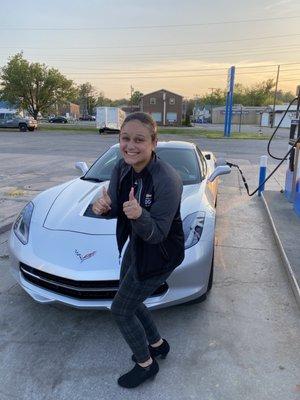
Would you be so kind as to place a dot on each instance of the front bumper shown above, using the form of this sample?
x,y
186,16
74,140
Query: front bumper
x,y
187,282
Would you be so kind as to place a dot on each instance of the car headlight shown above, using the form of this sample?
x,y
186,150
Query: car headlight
x,y
192,228
22,224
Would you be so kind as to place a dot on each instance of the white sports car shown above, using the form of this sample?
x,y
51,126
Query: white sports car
x,y
60,252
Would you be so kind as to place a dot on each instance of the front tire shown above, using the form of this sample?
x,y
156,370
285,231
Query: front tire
x,y
211,275
31,128
23,127
209,285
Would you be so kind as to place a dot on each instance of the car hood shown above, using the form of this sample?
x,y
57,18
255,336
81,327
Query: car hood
x,y
68,210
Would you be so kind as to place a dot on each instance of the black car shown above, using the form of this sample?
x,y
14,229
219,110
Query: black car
x,y
58,120
87,118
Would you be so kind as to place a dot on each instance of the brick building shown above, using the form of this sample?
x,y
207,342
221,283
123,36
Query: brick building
x,y
164,106
70,110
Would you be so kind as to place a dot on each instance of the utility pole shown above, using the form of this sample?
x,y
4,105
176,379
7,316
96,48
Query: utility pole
x,y
131,93
275,95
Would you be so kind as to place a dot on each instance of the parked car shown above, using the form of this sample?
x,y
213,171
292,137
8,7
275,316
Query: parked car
x,y
87,118
58,120
60,251
15,120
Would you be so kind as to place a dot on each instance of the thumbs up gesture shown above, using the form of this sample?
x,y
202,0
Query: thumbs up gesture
x,y
102,205
131,208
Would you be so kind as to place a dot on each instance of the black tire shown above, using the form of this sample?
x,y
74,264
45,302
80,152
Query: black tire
x,y
31,128
65,122
101,131
211,275
209,286
23,127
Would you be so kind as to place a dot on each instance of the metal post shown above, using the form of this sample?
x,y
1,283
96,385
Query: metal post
x,y
240,123
232,74
262,173
229,101
164,108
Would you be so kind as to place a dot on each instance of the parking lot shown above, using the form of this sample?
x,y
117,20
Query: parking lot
x,y
241,343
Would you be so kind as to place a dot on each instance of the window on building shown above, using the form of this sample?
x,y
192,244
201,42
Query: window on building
x,y
152,100
172,100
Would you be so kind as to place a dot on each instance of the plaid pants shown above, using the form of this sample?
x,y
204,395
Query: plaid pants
x,y
132,316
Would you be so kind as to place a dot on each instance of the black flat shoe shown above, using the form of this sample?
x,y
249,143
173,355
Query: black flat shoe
x,y
138,375
155,352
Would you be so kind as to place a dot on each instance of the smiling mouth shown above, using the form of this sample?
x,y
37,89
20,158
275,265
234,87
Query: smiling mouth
x,y
130,154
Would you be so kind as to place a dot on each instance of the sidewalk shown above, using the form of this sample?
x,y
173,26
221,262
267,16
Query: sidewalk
x,y
286,228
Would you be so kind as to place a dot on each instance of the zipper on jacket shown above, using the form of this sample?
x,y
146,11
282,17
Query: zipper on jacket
x,y
164,251
140,187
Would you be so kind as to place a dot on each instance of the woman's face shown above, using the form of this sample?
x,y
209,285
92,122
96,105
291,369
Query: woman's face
x,y
136,144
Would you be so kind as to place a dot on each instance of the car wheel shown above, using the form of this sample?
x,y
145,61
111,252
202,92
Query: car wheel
x,y
209,286
23,127
31,129
211,275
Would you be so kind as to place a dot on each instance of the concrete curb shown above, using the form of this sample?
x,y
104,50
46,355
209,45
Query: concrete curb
x,y
289,270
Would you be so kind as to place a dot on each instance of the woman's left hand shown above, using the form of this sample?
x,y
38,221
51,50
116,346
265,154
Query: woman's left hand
x,y
131,208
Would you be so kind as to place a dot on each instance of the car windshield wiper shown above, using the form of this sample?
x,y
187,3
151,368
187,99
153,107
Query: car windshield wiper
x,y
92,179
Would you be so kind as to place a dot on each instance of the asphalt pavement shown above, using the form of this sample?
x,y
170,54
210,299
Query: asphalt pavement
x,y
241,343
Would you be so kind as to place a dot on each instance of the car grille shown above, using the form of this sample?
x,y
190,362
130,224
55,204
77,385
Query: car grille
x,y
83,290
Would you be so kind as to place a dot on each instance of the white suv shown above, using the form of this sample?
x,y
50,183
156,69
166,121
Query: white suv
x,y
14,120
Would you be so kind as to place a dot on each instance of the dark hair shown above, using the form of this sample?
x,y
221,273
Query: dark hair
x,y
145,119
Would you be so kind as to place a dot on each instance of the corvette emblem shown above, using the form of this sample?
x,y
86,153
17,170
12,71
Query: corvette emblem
x,y
85,257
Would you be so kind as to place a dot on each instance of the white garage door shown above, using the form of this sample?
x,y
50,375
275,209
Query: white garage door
x,y
156,116
171,117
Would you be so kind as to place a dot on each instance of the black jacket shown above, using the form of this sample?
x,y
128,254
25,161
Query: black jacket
x,y
156,237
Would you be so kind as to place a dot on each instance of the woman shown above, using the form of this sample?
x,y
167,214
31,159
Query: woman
x,y
144,194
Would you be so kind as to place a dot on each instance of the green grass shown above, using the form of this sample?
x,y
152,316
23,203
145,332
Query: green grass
x,y
211,134
66,127
161,131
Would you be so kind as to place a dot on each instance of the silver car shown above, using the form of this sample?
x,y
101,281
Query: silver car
x,y
15,120
60,252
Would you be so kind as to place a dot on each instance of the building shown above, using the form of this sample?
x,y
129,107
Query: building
x,y
243,115
200,115
70,110
267,115
164,106
128,109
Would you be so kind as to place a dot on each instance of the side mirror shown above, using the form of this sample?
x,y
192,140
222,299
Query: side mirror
x,y
220,170
82,166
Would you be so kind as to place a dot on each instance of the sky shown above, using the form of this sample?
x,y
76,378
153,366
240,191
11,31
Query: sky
x,y
182,46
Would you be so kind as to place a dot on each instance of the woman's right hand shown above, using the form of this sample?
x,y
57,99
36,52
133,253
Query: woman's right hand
x,y
103,204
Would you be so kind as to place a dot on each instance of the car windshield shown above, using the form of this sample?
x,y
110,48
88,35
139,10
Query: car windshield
x,y
185,161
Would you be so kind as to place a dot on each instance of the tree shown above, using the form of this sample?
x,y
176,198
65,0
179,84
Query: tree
x,y
260,94
33,86
136,97
216,98
87,98
284,97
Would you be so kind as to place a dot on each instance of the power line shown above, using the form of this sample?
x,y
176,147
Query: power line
x,y
156,72
154,46
163,76
195,70
143,27
172,57
199,50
